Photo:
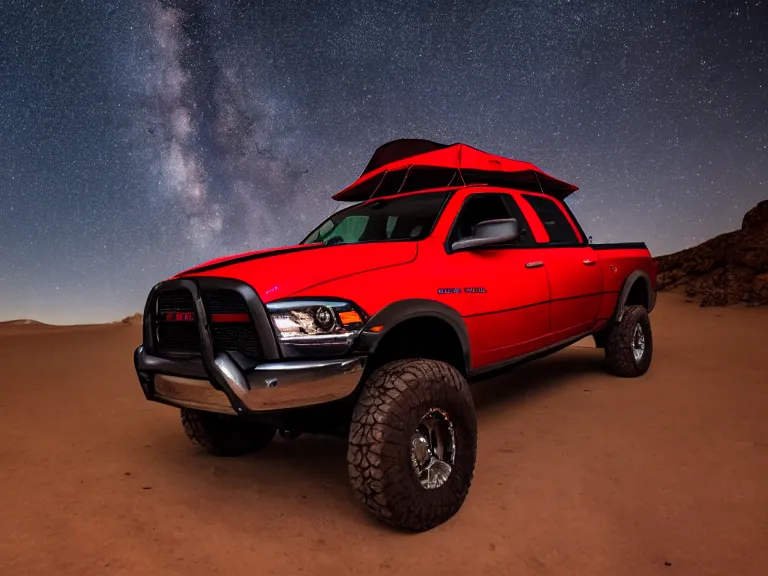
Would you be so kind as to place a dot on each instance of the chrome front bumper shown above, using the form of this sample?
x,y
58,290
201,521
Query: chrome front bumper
x,y
225,388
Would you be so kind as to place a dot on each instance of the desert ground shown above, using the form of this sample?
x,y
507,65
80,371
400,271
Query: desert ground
x,y
578,472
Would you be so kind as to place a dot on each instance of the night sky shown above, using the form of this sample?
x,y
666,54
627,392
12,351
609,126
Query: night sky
x,y
141,137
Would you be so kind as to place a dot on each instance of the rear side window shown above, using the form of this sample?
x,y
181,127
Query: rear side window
x,y
555,222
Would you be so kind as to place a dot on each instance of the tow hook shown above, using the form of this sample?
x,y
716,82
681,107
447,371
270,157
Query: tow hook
x,y
289,434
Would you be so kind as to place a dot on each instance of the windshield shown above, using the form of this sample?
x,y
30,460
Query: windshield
x,y
404,218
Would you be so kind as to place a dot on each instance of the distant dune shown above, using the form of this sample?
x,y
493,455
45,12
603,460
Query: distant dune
x,y
22,322
133,320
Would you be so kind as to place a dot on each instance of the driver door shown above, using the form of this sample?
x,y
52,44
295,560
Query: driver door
x,y
507,306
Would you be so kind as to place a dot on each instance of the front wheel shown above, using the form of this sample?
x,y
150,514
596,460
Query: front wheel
x,y
413,443
224,435
629,344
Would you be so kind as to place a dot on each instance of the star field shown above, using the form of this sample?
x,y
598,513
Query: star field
x,y
140,138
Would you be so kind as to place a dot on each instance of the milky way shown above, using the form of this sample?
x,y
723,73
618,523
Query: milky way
x,y
224,146
140,138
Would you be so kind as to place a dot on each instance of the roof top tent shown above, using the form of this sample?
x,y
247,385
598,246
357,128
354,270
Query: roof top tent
x,y
409,165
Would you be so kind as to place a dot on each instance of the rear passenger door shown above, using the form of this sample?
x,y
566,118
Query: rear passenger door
x,y
509,314
575,279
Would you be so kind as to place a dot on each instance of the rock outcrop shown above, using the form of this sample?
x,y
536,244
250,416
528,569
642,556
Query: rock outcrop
x,y
728,269
133,320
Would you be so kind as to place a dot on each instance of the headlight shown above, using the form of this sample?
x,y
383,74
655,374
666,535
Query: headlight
x,y
316,321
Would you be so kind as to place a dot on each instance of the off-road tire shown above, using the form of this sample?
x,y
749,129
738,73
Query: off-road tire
x,y
619,356
390,407
224,435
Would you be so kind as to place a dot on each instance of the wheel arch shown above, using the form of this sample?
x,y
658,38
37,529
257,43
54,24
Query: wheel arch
x,y
638,290
398,315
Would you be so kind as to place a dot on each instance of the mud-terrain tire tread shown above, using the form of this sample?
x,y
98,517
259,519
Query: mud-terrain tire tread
x,y
224,435
618,345
393,400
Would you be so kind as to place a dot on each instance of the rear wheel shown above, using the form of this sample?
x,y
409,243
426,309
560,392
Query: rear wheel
x,y
224,435
413,443
629,344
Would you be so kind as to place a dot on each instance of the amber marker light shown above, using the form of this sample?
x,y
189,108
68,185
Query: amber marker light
x,y
350,317
376,329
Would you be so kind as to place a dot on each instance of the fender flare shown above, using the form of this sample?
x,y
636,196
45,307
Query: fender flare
x,y
398,312
629,283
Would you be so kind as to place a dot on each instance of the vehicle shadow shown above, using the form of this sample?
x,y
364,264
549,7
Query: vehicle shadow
x,y
536,378
311,471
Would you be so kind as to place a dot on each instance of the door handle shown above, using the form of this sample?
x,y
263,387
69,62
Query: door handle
x,y
589,262
537,264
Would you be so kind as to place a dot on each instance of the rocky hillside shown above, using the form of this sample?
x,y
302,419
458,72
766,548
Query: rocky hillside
x,y
133,320
727,269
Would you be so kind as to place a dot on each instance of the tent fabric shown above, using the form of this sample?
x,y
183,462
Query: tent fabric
x,y
440,165
399,150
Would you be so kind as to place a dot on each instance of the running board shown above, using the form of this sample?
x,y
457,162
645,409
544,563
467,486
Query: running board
x,y
500,367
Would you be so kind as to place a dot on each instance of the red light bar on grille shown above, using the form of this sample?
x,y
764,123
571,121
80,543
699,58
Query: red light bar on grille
x,y
230,318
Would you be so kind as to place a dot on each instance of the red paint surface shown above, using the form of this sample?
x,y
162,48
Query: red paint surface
x,y
522,309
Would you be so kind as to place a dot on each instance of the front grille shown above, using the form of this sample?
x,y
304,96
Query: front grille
x,y
176,336
228,332
231,336
236,338
224,302
175,301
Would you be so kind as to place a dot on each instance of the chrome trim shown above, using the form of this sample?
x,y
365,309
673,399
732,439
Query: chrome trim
x,y
235,379
306,303
284,367
638,343
343,338
281,385
269,386
433,449
536,264
191,367
191,393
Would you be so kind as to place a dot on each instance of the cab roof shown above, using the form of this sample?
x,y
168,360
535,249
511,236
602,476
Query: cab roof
x,y
410,165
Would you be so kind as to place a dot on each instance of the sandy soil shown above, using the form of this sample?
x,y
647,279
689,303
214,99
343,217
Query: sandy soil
x,y
577,473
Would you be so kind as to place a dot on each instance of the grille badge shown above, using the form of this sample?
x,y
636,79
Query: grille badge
x,y
179,317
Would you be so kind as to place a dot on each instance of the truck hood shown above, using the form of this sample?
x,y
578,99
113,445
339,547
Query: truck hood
x,y
281,272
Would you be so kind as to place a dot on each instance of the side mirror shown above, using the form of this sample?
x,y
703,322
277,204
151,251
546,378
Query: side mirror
x,y
488,233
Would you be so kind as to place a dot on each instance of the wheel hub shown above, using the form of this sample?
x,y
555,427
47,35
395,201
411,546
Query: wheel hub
x,y
433,449
638,343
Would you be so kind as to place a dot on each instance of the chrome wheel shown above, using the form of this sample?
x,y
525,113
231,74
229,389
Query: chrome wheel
x,y
433,449
638,343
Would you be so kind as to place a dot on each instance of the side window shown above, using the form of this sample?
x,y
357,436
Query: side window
x,y
554,220
480,207
391,221
526,237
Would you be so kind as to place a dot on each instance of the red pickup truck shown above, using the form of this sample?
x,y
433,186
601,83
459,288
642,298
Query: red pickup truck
x,y
450,265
